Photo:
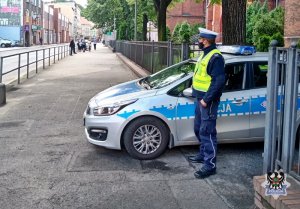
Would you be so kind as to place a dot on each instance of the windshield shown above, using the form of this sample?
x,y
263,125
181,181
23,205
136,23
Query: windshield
x,y
169,75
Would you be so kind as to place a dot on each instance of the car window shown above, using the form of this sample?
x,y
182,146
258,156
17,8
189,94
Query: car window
x,y
170,75
234,74
260,70
176,91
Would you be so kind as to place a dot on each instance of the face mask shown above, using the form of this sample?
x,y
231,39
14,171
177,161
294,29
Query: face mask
x,y
201,45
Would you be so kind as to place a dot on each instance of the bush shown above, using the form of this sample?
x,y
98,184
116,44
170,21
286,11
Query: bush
x,y
185,32
175,35
263,43
265,26
261,24
278,37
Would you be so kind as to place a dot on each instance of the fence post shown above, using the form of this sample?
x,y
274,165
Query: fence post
x,y
27,65
152,56
271,108
170,53
290,103
142,61
19,70
1,68
36,61
43,58
184,51
58,53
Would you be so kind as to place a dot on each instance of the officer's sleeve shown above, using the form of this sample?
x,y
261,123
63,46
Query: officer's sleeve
x,y
217,73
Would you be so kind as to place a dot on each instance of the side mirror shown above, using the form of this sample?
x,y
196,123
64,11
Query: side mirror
x,y
187,92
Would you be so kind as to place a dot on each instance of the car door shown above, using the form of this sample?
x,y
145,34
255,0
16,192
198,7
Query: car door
x,y
258,99
233,115
234,108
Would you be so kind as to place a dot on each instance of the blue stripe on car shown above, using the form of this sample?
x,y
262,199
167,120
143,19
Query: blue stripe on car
x,y
226,108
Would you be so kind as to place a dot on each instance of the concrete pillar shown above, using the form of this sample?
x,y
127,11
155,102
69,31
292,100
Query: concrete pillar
x,y
2,94
292,22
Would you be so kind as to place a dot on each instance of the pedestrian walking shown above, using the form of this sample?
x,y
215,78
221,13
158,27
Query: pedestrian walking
x,y
95,43
41,40
208,83
72,47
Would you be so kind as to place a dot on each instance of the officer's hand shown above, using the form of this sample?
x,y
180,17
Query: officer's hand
x,y
203,103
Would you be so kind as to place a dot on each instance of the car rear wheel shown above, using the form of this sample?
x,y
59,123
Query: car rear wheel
x,y
146,138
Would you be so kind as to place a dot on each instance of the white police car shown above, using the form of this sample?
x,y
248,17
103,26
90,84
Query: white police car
x,y
148,115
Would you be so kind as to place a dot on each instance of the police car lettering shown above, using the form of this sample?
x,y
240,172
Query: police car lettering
x,y
224,108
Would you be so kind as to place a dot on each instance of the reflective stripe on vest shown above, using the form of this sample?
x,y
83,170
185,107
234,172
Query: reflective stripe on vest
x,y
201,80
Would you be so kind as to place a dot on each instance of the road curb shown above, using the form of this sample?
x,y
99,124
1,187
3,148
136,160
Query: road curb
x,y
2,94
139,71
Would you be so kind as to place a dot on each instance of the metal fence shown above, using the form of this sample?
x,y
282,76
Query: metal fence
x,y
24,60
281,150
152,56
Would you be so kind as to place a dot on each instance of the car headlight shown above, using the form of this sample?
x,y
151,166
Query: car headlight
x,y
111,109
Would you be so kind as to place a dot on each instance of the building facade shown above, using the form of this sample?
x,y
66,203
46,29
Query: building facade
x,y
189,10
71,11
11,19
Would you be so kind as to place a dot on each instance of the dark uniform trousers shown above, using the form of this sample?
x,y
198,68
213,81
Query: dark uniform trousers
x,y
205,130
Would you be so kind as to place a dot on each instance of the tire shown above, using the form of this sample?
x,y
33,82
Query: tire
x,y
2,45
156,139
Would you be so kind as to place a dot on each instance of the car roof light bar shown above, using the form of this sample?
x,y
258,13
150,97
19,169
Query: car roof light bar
x,y
237,49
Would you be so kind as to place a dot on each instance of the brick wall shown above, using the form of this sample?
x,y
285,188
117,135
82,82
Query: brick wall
x,y
292,22
189,11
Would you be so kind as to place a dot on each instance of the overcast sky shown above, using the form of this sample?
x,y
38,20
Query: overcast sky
x,y
82,2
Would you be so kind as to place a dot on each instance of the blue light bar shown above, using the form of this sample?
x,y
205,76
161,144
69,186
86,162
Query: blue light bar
x,y
237,49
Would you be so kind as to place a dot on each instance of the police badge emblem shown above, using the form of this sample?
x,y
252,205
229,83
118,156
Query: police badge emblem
x,y
275,184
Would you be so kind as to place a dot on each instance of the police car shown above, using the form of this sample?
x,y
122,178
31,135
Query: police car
x,y
147,115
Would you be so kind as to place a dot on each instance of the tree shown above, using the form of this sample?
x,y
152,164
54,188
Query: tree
x,y
234,22
161,12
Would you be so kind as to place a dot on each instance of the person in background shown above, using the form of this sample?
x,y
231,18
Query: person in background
x,y
208,83
72,46
95,43
41,40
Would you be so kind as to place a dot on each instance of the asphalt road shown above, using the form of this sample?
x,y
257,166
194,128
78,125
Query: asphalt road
x,y
46,161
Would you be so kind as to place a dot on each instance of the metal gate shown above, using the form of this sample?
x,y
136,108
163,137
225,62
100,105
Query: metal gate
x,y
281,148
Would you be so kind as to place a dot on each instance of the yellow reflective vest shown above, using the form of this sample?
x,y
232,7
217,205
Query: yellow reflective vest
x,y
201,80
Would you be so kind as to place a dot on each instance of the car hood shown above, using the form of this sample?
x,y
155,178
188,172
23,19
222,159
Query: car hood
x,y
122,92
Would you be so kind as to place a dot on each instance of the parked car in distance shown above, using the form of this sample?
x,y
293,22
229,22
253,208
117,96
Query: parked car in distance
x,y
15,43
147,115
5,43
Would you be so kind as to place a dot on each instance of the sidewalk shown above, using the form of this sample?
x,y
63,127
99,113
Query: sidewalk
x,y
46,161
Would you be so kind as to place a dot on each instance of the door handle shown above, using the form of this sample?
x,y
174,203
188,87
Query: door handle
x,y
239,101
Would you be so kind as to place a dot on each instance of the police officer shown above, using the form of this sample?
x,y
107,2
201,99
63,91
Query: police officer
x,y
208,82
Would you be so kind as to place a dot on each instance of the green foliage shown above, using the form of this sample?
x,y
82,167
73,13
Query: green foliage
x,y
279,37
175,35
263,26
169,36
185,32
195,28
298,44
263,43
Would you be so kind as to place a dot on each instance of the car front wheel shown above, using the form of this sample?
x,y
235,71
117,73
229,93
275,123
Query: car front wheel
x,y
2,45
146,138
